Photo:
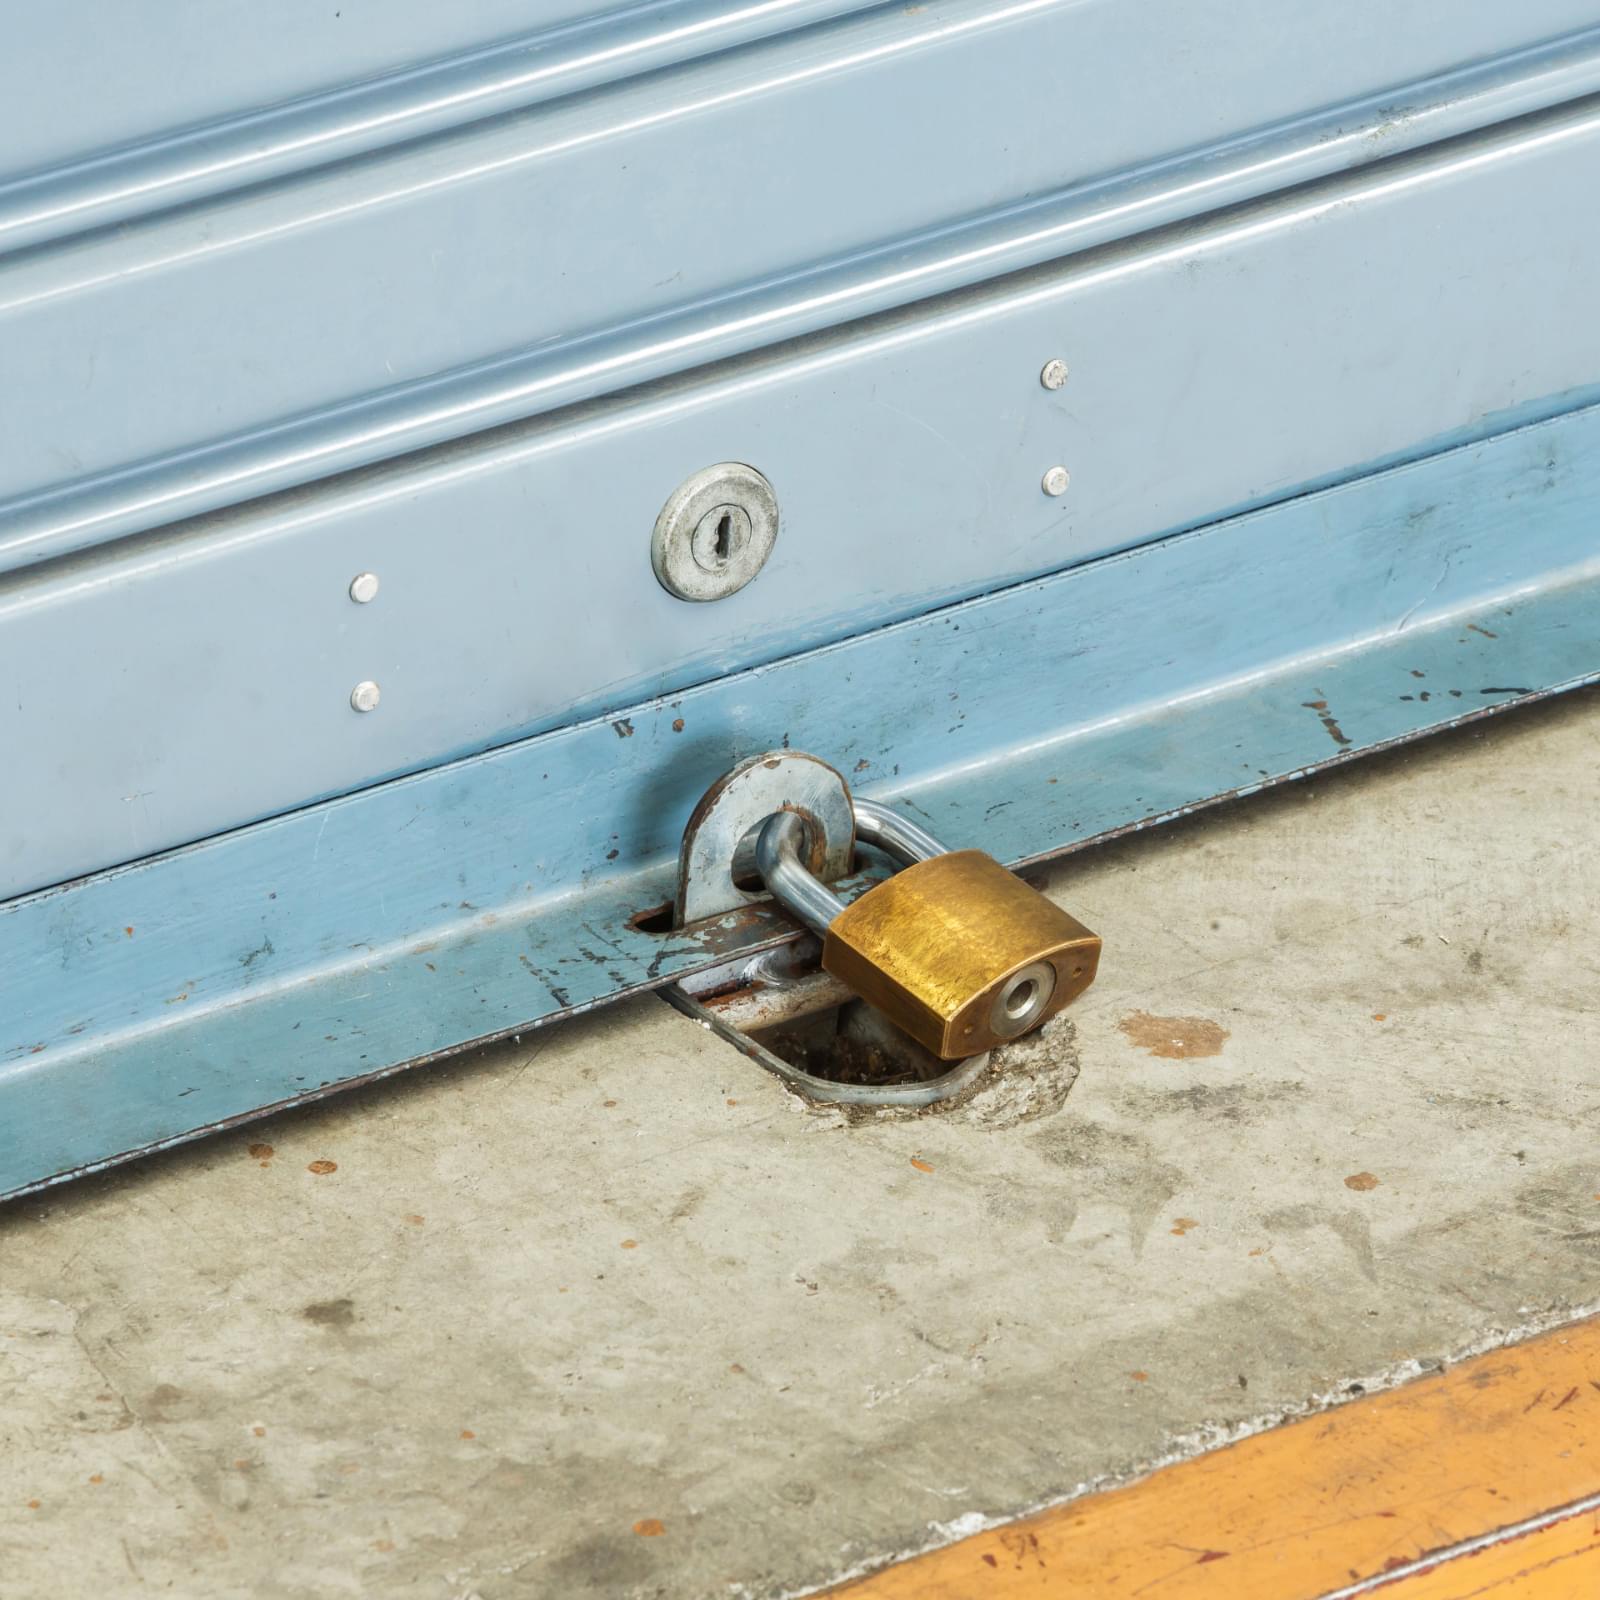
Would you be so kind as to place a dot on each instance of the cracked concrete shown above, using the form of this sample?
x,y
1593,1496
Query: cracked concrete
x,y
607,1313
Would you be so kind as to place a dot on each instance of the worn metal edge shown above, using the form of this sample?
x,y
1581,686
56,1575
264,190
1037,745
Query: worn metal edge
x,y
1309,163
502,1035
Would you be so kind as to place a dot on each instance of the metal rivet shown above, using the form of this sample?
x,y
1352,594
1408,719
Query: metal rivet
x,y
1054,374
1056,480
364,697
364,587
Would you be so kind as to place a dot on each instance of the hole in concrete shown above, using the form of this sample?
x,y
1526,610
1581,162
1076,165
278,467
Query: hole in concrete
x,y
851,1043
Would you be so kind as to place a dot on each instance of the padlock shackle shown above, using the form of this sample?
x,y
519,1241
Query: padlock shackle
x,y
892,831
779,858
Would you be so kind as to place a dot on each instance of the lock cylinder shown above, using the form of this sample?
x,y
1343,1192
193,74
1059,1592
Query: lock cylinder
x,y
954,949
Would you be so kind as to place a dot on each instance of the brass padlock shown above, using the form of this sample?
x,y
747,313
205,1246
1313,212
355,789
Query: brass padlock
x,y
954,949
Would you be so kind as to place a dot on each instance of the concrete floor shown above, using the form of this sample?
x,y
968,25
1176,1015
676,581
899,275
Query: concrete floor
x,y
609,1314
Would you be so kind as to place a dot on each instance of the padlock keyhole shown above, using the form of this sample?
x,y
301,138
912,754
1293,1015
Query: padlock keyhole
x,y
1020,1001
724,541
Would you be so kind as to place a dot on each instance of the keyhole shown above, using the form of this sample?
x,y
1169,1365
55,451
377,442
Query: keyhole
x,y
720,538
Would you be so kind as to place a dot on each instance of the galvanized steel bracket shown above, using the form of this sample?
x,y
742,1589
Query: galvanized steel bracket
x,y
736,804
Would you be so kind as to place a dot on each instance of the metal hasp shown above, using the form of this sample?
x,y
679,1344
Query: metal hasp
x,y
954,949
801,815
1021,377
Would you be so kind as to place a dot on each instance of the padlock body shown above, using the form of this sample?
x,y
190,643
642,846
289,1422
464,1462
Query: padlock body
x,y
934,947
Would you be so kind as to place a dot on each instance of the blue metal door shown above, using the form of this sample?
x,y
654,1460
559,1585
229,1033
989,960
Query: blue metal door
x,y
1157,401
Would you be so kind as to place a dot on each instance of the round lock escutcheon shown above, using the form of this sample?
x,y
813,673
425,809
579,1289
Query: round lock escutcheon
x,y
715,532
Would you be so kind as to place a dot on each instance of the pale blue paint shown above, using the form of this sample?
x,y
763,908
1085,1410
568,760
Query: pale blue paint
x,y
482,897
1229,363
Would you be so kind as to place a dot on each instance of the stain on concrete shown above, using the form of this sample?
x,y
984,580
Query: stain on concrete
x,y
1113,1167
1174,1038
157,1405
339,1313
1350,1227
1238,1104
1561,1202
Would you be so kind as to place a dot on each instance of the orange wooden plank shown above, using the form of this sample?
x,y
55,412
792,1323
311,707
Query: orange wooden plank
x,y
1559,1562
1316,1505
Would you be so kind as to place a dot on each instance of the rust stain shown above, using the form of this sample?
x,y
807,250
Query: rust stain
x,y
630,1244
1361,1180
1473,626
1140,1376
1325,717
649,1527
1380,1016
383,1544
322,1167
608,1102
920,1164
97,1477
733,1102
1174,1038
260,1152
128,931
622,729
33,1505
1181,1225
259,1431
677,724
415,1219
467,1433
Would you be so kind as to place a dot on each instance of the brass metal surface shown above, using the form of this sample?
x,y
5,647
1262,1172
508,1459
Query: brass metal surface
x,y
932,946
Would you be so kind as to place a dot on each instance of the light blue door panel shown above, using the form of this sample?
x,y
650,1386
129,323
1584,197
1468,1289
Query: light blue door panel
x,y
327,119
1219,366
458,295
132,73
663,193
